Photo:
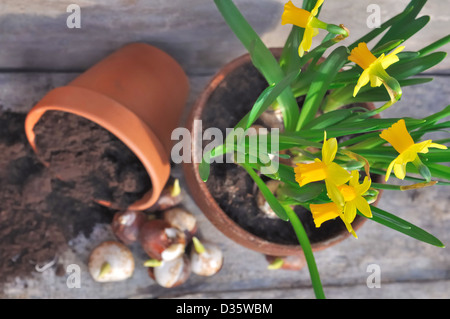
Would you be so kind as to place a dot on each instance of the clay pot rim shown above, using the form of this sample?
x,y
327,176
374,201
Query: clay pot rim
x,y
209,206
116,116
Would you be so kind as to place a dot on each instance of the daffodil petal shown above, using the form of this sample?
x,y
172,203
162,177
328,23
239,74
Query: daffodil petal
x,y
363,206
306,43
407,156
389,170
301,51
375,81
422,147
391,58
349,212
364,187
315,10
348,226
336,174
362,81
334,194
354,178
329,150
400,170
436,145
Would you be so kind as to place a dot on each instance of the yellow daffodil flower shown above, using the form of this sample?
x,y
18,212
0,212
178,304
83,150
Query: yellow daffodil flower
x,y
325,169
375,69
354,200
306,20
403,143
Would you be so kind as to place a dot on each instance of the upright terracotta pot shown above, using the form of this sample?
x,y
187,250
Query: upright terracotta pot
x,y
137,93
208,204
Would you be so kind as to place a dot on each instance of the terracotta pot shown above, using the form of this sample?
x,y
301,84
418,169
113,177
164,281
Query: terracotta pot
x,y
137,93
208,204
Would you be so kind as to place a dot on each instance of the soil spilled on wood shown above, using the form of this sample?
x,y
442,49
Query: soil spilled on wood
x,y
42,208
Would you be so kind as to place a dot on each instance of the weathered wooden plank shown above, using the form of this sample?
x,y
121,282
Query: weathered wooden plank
x,y
396,290
343,268
34,35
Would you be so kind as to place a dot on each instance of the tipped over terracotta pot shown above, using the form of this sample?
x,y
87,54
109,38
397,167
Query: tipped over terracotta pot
x,y
137,93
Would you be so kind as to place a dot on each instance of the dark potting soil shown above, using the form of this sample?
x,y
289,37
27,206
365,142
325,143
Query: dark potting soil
x,y
89,159
231,186
42,208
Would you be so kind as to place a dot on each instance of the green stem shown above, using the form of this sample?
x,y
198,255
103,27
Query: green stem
x,y
307,250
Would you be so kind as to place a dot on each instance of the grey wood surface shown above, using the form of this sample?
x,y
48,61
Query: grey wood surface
x,y
38,52
34,34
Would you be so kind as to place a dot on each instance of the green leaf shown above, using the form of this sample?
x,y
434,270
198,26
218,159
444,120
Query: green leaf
x,y
407,55
407,30
350,75
296,139
439,171
387,47
290,60
387,219
270,198
434,46
406,26
325,75
439,115
268,96
437,156
302,194
328,119
404,70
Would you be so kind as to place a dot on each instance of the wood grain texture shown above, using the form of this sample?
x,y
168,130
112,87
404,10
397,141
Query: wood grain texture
x,y
34,34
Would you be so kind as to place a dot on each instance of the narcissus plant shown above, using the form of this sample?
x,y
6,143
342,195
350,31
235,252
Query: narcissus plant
x,y
330,145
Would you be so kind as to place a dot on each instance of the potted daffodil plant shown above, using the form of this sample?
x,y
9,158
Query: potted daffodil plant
x,y
335,150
